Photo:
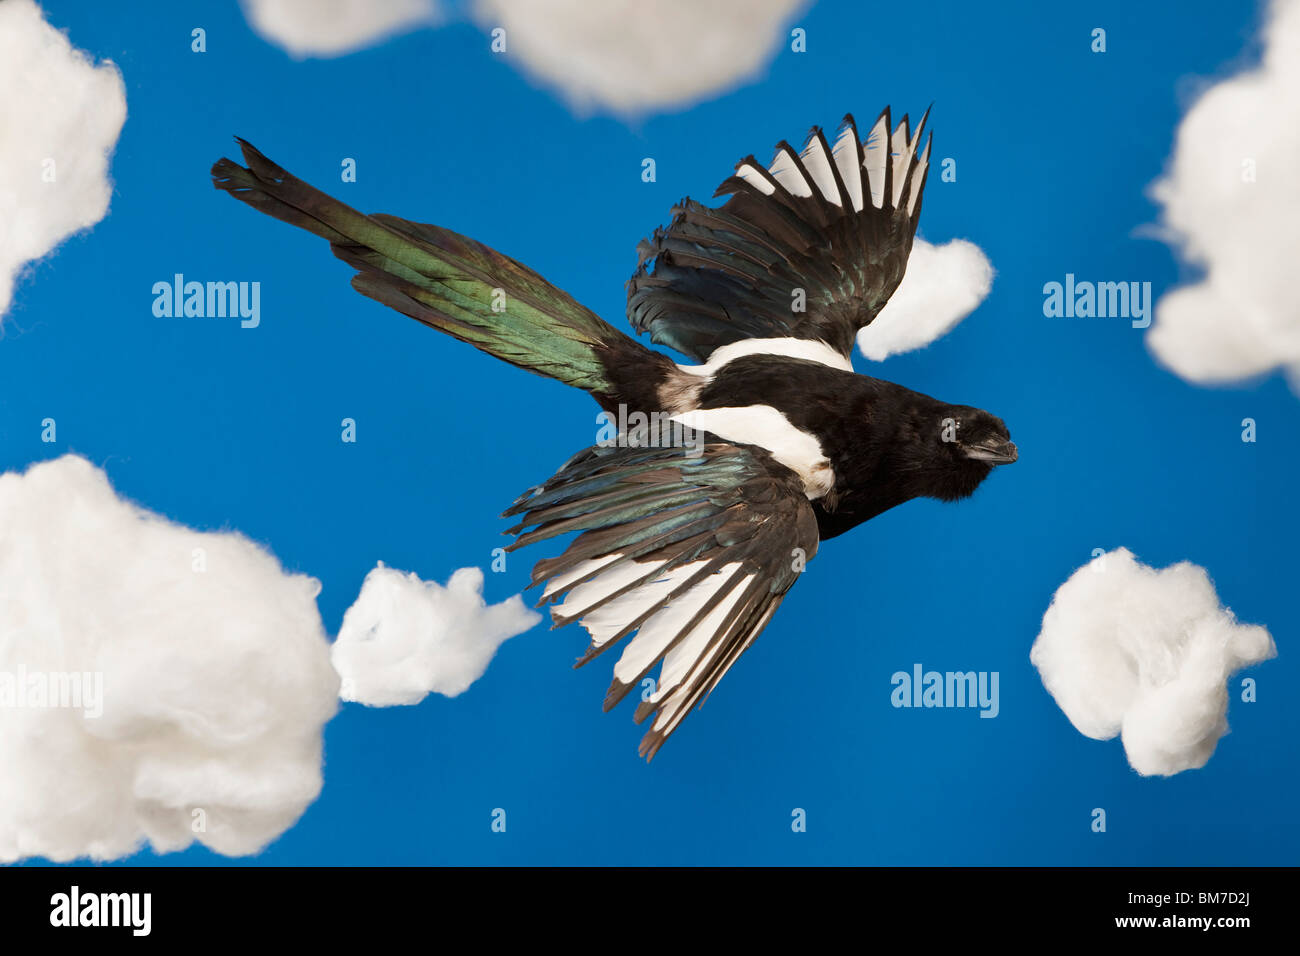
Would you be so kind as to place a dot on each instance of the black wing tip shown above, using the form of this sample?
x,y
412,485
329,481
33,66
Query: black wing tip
x,y
785,145
249,151
887,115
736,183
614,696
259,164
651,744
920,127
229,175
226,174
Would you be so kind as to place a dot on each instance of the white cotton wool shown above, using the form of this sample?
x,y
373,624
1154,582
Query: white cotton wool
x,y
62,114
1145,653
212,662
621,56
326,28
405,637
942,285
1228,197
629,57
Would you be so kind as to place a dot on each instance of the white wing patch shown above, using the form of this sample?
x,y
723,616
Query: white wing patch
x,y
901,157
658,632
883,149
785,172
808,349
845,152
686,663
610,577
751,175
764,426
874,148
818,165
897,149
918,177
686,660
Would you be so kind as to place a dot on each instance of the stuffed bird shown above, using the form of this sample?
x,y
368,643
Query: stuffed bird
x,y
686,545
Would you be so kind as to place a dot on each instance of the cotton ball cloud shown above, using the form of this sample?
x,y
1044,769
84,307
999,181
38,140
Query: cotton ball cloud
x,y
62,116
405,637
327,28
942,285
1229,195
629,56
1145,653
201,667
620,55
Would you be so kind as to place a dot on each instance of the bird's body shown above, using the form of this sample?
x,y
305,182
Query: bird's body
x,y
688,548
853,439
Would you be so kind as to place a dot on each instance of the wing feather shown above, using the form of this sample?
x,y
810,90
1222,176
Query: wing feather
x,y
828,227
684,555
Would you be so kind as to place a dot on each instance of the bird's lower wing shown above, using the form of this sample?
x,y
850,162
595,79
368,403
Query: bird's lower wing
x,y
810,247
690,549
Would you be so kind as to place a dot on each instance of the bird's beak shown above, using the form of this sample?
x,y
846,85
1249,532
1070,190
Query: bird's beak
x,y
993,450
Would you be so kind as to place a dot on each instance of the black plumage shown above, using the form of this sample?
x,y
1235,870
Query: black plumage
x,y
887,444
684,548
716,276
660,509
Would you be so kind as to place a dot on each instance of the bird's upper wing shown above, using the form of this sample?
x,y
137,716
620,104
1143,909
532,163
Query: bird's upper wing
x,y
691,552
835,221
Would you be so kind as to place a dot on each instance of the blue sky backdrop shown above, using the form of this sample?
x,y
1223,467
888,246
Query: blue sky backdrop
x,y
221,427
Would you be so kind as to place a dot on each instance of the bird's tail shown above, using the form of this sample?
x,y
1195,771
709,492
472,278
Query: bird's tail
x,y
445,280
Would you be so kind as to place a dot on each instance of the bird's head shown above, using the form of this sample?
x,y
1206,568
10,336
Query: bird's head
x,y
959,446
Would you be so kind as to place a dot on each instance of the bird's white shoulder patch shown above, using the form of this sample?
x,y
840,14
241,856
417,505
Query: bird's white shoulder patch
x,y
766,427
808,349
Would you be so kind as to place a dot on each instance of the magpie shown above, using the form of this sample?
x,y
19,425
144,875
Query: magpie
x,y
688,551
